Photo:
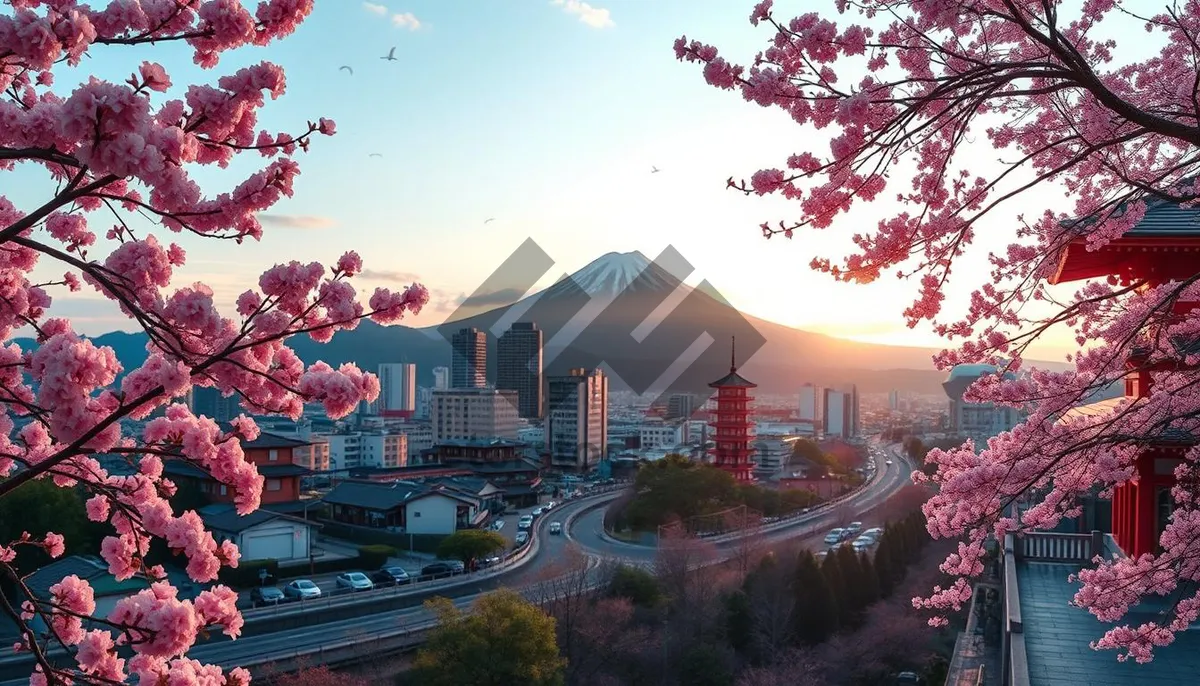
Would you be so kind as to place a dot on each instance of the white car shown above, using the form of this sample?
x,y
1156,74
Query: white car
x,y
522,537
835,536
874,533
555,528
538,512
888,463
355,580
524,524
303,589
863,543
498,524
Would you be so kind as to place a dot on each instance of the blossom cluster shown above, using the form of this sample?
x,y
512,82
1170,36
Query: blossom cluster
x,y
920,94
133,147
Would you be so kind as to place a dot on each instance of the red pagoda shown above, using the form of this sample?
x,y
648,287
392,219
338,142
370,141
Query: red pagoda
x,y
731,421
1164,246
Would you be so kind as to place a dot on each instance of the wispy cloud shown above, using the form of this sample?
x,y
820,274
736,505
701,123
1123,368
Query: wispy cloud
x,y
406,20
401,20
297,221
389,275
594,17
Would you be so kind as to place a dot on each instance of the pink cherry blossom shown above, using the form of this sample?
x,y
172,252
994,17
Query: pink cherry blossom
x,y
136,149
952,112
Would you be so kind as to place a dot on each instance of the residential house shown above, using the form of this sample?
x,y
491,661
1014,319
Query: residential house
x,y
275,458
404,507
262,534
91,569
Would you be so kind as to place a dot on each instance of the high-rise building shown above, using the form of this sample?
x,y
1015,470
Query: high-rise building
x,y
209,402
577,419
468,359
841,413
519,367
441,378
812,404
975,420
733,430
894,400
467,413
681,406
398,390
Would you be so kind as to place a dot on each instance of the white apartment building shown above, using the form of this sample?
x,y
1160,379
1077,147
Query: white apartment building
x,y
811,404
345,450
398,390
385,450
314,456
466,413
772,453
441,378
656,433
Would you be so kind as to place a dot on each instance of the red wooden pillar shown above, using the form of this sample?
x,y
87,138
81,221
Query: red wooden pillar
x,y
1145,510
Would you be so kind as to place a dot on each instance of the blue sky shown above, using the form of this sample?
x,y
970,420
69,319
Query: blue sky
x,y
546,116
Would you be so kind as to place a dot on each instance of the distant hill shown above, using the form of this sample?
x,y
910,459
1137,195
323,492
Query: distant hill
x,y
616,293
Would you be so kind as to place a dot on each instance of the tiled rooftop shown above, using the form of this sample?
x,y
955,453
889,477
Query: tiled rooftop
x,y
1057,635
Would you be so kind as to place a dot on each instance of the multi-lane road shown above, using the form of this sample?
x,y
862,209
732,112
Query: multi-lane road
x,y
585,529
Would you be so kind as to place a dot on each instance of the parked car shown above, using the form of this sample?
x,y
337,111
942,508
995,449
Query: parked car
x,y
354,580
442,568
888,462
522,537
853,529
391,576
537,512
908,678
555,528
835,536
302,589
524,523
863,543
490,561
550,505
498,525
266,595
874,532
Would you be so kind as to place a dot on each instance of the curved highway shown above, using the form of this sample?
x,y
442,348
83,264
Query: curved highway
x,y
585,530
588,529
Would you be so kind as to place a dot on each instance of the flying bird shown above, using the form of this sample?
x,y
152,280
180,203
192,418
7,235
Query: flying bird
x,y
654,170
489,219
375,154
391,56
347,69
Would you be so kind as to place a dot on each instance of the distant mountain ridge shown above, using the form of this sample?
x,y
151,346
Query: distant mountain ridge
x,y
581,303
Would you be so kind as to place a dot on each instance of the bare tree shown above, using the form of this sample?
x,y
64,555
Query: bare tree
x,y
791,668
771,604
749,544
606,638
563,591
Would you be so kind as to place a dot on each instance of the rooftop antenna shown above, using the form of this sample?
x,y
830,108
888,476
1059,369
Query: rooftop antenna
x,y
732,351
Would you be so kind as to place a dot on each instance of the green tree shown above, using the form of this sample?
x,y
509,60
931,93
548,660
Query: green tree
x,y
504,640
739,621
636,584
815,616
853,601
885,575
704,665
39,507
869,579
469,545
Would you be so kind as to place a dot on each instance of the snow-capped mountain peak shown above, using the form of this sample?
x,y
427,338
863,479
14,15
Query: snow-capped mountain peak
x,y
614,273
